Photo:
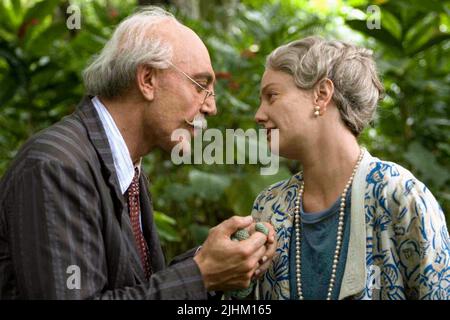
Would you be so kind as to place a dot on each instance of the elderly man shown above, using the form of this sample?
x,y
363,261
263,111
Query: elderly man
x,y
75,204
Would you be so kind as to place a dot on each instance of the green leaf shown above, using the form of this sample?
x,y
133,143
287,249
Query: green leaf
x,y
163,218
15,63
425,162
240,197
391,23
208,186
445,147
396,66
40,10
244,189
382,34
8,89
430,43
101,13
164,225
421,32
427,6
199,233
6,17
43,42
17,7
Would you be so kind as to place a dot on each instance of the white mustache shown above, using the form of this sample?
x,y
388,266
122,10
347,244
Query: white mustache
x,y
199,122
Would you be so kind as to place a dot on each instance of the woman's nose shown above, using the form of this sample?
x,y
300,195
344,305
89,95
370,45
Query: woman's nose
x,y
260,116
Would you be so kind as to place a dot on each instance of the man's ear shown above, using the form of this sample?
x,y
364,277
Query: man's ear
x,y
145,81
323,92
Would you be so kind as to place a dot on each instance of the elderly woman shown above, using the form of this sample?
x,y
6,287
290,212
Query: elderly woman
x,y
349,225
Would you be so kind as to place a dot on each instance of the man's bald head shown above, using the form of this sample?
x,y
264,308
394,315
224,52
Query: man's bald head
x,y
151,37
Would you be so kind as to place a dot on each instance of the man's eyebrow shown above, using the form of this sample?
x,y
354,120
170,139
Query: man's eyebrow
x,y
205,75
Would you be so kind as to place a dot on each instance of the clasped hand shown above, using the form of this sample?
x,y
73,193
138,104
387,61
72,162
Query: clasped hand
x,y
228,265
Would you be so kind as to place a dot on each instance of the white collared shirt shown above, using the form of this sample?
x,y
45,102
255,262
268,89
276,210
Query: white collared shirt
x,y
120,153
119,150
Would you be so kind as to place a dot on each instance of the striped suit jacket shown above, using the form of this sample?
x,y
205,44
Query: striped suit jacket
x,y
65,231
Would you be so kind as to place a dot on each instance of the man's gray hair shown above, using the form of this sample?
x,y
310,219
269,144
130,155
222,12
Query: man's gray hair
x,y
357,88
132,44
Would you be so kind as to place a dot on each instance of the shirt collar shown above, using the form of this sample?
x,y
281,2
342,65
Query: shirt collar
x,y
122,160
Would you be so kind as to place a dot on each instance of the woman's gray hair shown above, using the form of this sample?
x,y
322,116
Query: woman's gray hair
x,y
132,44
357,88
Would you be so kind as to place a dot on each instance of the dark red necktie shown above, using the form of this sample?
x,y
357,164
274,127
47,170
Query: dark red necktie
x,y
134,207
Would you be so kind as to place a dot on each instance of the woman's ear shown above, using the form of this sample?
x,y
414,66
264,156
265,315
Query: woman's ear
x,y
145,81
323,92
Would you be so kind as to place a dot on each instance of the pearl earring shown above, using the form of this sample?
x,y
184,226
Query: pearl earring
x,y
316,111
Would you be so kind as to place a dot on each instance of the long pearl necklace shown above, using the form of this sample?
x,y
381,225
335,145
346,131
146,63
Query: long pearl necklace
x,y
339,236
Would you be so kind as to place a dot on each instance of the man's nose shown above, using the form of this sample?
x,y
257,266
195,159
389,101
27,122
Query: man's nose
x,y
209,106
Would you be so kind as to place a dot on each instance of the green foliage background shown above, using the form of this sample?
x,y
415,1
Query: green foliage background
x,y
40,81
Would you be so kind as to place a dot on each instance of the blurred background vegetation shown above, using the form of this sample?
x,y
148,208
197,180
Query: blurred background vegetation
x,y
40,82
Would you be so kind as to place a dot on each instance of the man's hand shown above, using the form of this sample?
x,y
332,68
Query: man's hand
x,y
227,265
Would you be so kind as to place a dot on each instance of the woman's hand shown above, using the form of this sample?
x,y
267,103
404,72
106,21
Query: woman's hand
x,y
271,245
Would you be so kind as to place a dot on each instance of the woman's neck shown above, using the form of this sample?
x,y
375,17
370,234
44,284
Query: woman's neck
x,y
327,167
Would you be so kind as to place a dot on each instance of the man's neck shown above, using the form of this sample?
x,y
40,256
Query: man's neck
x,y
127,115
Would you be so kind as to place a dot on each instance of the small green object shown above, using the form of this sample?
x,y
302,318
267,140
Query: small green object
x,y
242,234
261,227
242,293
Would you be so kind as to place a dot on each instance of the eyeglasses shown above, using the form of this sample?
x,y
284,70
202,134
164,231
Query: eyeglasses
x,y
208,93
